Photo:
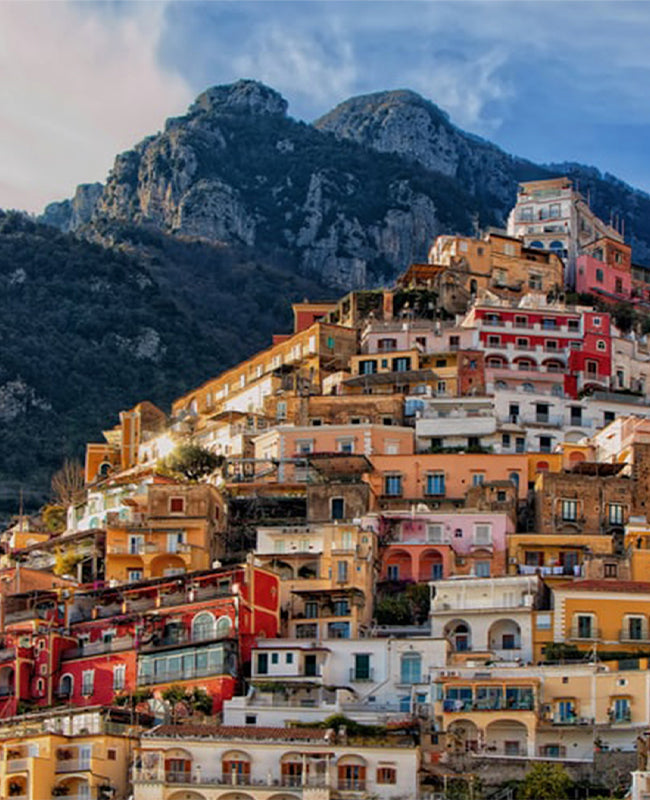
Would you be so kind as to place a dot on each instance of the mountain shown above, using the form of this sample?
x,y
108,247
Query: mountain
x,y
87,331
351,199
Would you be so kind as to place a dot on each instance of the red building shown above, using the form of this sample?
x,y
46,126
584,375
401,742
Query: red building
x,y
544,344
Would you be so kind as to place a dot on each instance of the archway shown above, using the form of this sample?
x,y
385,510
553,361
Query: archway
x,y
459,633
507,737
504,635
463,737
398,565
431,566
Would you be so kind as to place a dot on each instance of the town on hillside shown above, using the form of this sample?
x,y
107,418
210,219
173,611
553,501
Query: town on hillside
x,y
404,552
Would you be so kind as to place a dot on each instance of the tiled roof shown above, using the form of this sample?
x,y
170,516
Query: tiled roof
x,y
239,732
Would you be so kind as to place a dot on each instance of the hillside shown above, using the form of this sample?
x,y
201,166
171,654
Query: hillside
x,y
87,331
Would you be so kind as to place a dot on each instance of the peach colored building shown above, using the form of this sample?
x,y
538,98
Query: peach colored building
x,y
287,442
399,481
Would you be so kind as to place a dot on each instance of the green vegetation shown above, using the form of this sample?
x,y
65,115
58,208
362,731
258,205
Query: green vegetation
x,y
191,462
87,332
545,781
410,606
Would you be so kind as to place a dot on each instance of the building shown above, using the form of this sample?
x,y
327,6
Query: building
x,y
255,763
552,215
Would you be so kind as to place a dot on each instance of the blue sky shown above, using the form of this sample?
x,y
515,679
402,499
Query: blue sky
x,y
551,81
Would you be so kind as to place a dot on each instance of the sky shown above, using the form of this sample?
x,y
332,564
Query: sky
x,y
551,81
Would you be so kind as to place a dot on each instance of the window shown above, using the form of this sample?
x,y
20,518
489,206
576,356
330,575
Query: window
x,y
435,534
250,719
309,631
494,341
520,444
119,677
386,775
281,410
136,544
341,608
585,626
505,440
361,670
615,513
600,345
386,345
576,415
275,658
599,276
134,575
483,534
393,485
337,508
549,323
513,412
341,571
87,682
545,444
392,572
262,663
522,343
345,445
311,609
304,446
482,569
569,510
610,570
411,668
367,367
338,630
203,626
608,416
288,659
176,505
436,483
541,412
478,478
441,387
635,628
402,364
618,286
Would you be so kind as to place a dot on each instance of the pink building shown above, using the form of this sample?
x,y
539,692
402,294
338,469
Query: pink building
x,y
424,336
606,270
427,546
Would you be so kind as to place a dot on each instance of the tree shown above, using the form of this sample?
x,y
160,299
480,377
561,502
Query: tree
x,y
54,518
191,461
68,483
545,781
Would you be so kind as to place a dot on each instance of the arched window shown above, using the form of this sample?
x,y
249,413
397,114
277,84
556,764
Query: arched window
x,y
224,624
66,685
528,387
501,385
203,626
104,469
536,244
556,244
514,477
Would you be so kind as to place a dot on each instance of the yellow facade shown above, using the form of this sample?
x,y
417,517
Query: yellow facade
x,y
40,766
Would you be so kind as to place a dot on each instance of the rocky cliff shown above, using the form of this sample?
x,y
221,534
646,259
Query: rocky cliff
x,y
351,199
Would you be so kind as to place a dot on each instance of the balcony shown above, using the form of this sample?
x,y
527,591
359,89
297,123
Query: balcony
x,y
18,765
584,634
571,719
489,704
99,648
359,676
73,765
351,785
623,716
640,637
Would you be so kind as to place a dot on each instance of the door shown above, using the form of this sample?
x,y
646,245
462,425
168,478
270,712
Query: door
x,y
311,665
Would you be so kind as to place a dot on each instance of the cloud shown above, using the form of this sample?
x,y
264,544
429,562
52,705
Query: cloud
x,y
78,83
313,66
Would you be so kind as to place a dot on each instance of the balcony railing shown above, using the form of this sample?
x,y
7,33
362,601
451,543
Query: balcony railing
x,y
359,676
626,635
571,719
17,765
73,765
351,785
98,648
621,716
182,674
496,704
590,634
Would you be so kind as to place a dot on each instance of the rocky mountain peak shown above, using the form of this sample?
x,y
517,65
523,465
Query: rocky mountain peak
x,y
246,96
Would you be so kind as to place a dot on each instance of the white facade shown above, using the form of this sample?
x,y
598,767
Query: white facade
x,y
366,679
491,617
271,764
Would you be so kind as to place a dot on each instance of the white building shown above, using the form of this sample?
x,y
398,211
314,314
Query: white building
x,y
369,680
204,762
486,618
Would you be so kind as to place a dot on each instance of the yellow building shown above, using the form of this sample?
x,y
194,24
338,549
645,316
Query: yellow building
x,y
327,578
172,529
82,756
603,615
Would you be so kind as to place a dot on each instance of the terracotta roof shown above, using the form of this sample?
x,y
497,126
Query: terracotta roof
x,y
613,585
239,732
